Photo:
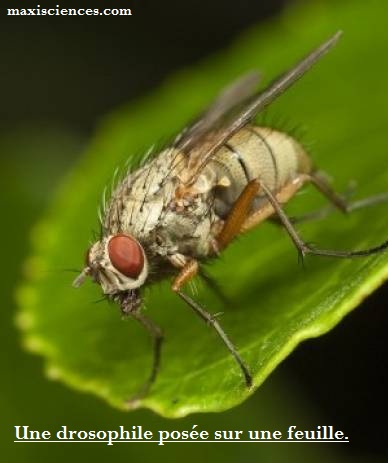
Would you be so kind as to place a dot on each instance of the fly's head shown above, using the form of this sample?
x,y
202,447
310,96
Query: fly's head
x,y
119,264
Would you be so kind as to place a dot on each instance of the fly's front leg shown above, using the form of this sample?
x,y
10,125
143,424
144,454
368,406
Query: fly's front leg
x,y
188,271
156,333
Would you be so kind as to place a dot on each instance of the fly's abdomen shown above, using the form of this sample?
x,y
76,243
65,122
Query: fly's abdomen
x,y
273,157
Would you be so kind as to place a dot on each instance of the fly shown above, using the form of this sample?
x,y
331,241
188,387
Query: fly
x,y
221,177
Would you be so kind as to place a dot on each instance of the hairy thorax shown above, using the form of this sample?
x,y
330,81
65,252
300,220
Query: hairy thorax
x,y
146,205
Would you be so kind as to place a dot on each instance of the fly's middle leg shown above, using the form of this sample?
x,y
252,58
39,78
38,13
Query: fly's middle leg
x,y
241,219
267,210
237,216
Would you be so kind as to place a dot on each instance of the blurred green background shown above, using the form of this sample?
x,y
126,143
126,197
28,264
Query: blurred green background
x,y
60,76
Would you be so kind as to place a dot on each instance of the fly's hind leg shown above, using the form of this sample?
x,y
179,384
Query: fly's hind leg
x,y
322,212
188,271
300,244
340,202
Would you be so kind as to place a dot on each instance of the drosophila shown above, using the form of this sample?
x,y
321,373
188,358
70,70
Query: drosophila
x,y
222,176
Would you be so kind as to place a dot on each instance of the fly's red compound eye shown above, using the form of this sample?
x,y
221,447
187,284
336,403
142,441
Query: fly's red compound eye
x,y
126,255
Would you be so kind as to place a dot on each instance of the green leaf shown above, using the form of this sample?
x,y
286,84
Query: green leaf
x,y
275,303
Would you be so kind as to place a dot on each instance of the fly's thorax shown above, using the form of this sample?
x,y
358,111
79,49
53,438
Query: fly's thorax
x,y
144,206
186,229
139,200
118,263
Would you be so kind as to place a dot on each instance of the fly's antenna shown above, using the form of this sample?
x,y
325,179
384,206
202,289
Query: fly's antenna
x,y
81,277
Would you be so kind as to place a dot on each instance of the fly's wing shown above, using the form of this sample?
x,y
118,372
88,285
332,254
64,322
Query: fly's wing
x,y
229,98
232,110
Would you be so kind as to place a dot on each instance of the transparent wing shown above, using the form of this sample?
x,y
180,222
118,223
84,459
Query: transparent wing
x,y
229,98
233,109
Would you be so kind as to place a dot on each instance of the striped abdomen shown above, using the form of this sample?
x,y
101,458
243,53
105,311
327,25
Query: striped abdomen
x,y
273,157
